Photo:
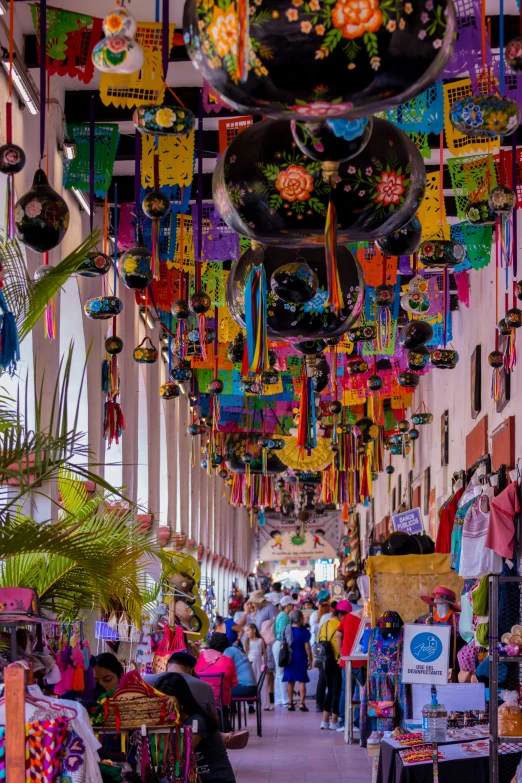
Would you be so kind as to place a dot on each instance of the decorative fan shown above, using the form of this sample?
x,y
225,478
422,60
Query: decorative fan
x,y
319,459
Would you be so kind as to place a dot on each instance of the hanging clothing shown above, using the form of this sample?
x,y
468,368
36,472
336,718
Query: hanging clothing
x,y
384,683
456,535
446,521
501,530
466,618
476,559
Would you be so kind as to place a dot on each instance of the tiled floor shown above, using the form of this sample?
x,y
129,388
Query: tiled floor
x,y
294,750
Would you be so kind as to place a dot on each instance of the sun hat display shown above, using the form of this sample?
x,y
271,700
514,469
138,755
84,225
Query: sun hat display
x,y
444,594
19,605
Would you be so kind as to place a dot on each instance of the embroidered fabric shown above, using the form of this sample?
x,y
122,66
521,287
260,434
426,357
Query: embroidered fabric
x,y
424,113
76,172
219,241
146,85
176,160
459,143
472,179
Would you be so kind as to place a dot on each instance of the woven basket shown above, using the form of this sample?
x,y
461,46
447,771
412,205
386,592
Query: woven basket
x,y
131,710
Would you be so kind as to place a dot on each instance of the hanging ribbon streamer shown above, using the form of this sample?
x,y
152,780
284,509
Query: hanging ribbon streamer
x,y
165,41
156,227
335,294
243,17
43,76
514,187
256,346
91,161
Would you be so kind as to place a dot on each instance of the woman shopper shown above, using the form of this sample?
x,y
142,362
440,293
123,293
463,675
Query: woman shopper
x,y
286,605
209,748
297,671
332,671
256,651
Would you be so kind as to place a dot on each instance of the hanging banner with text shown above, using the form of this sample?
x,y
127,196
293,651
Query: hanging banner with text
x,y
426,654
408,521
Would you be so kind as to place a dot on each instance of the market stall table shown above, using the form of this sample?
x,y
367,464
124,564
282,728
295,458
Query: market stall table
x,y
456,764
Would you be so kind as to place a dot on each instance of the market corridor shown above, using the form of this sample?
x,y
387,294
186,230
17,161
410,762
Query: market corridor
x,y
294,750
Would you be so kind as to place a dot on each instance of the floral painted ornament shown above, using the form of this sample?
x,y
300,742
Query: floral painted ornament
x,y
266,189
118,52
333,140
479,213
320,59
502,200
294,282
41,216
415,334
12,159
444,358
298,321
135,267
169,390
485,115
163,120
145,354
418,358
439,253
101,308
408,380
94,264
113,345
513,54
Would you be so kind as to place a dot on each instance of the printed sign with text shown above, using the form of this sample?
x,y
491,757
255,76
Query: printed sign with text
x,y
426,654
408,521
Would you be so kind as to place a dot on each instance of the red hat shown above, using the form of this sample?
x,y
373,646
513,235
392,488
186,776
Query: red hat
x,y
443,593
19,605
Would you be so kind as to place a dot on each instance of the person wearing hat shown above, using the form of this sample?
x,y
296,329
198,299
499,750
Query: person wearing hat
x,y
286,605
264,619
331,668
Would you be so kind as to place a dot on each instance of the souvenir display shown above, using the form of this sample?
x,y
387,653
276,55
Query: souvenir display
x,y
41,216
298,321
290,54
266,189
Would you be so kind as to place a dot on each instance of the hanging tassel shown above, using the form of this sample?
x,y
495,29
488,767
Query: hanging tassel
x,y
345,515
256,321
113,422
384,321
202,331
9,342
78,680
50,320
413,453
510,352
496,385
243,40
335,294
304,408
105,376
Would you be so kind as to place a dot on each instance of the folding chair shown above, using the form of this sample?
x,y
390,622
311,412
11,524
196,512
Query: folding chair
x,y
224,712
251,701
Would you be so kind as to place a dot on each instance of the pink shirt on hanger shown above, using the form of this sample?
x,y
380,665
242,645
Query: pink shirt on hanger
x,y
501,530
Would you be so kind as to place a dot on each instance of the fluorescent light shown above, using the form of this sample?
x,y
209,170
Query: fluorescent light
x,y
69,146
82,200
3,7
24,85
151,323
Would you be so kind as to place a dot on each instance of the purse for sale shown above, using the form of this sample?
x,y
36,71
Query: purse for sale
x,y
381,709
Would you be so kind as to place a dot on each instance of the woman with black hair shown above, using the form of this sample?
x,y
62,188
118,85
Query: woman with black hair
x,y
108,672
209,748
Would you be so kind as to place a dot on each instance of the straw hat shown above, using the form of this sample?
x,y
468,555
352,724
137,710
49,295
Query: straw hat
x,y
257,597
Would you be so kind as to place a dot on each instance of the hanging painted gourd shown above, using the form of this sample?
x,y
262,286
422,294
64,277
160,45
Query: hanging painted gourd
x,y
199,302
163,120
145,354
362,334
444,358
135,267
294,321
12,159
101,308
403,242
496,359
439,253
41,216
267,190
374,383
180,309
294,282
479,213
169,390
408,380
502,200
94,264
513,318
485,115
348,60
118,52
113,345
357,366
418,357
415,334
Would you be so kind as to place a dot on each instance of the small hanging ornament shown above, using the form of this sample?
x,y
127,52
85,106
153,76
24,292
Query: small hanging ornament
x,y
502,200
295,282
113,421
163,120
169,390
496,359
182,373
118,52
216,386
444,358
479,213
513,318
415,334
367,428
513,54
94,264
435,253
408,380
145,354
422,415
418,358
362,334
41,216
383,297
156,206
403,242
113,345
357,366
374,382
416,299
485,115
101,308
135,266
503,327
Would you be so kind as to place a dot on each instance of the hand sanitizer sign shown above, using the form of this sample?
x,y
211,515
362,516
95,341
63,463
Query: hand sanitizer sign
x,y
426,654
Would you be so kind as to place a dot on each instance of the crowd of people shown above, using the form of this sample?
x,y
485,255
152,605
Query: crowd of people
x,y
267,649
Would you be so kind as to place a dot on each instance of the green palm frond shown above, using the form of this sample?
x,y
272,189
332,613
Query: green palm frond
x,y
27,298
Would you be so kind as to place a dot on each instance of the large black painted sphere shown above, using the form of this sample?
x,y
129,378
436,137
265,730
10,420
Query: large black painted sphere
x,y
41,216
318,60
415,334
403,242
266,189
299,321
235,449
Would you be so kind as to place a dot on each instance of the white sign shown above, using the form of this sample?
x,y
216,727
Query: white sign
x,y
426,654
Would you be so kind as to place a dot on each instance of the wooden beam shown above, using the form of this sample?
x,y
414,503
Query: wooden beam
x,y
14,678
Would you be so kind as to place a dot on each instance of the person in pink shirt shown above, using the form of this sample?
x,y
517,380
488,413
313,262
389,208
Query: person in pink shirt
x,y
212,661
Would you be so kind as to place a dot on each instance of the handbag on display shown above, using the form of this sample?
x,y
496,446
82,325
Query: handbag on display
x,y
172,641
381,709
285,651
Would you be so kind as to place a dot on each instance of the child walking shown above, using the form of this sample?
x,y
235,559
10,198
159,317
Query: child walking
x,y
255,648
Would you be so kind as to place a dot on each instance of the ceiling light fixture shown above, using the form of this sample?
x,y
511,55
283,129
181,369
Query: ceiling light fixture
x,y
69,147
3,7
24,84
82,199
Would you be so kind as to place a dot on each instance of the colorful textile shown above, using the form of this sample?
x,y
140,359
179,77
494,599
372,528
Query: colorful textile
x,y
501,531
446,521
45,744
384,683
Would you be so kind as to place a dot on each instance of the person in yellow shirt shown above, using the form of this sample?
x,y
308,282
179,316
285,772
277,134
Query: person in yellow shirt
x,y
332,670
